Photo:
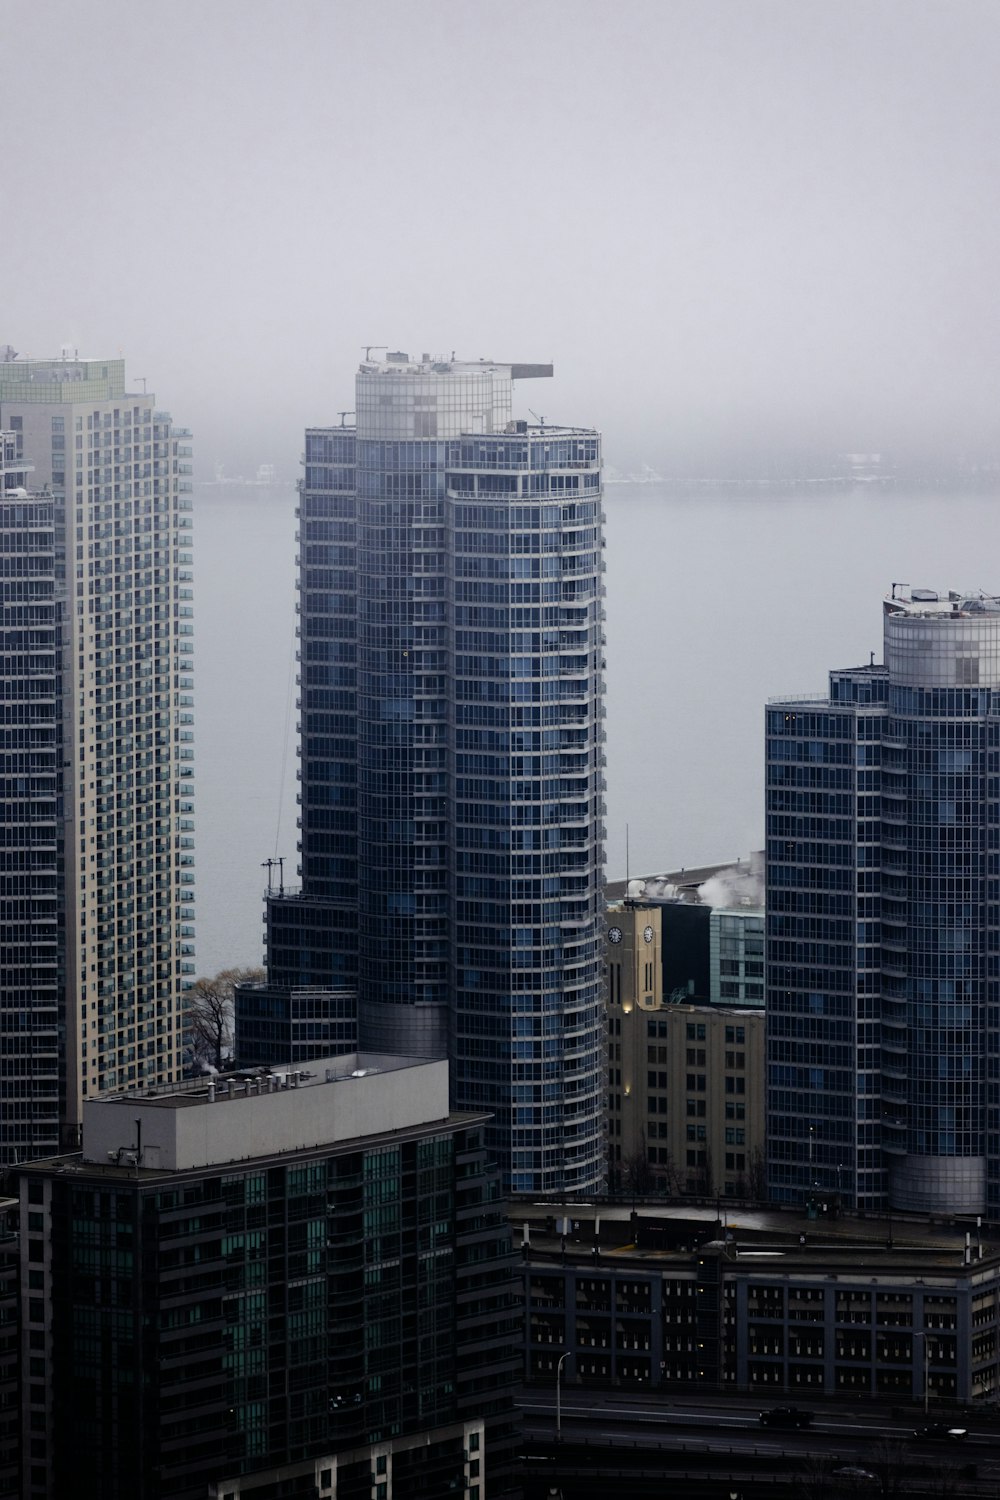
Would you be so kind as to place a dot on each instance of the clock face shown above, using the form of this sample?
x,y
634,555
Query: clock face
x,y
647,933
614,934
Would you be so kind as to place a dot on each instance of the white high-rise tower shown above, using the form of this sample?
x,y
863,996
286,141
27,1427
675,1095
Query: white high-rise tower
x,y
113,686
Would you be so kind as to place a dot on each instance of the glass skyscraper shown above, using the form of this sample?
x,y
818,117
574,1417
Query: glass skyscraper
x,y
452,750
883,920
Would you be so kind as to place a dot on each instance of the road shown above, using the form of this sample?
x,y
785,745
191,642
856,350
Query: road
x,y
722,1441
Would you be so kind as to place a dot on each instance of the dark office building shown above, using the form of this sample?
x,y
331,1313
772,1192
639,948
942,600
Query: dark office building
x,y
678,1298
210,1297
883,914
10,1351
284,1026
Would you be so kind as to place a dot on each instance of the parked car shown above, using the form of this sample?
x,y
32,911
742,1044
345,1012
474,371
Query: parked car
x,y
785,1416
940,1432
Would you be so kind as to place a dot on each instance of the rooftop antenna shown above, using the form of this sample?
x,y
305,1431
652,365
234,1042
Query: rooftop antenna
x,y
538,419
343,414
626,865
143,379
370,347
268,865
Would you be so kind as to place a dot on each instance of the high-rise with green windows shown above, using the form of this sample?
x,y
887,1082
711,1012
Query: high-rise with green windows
x,y
299,1283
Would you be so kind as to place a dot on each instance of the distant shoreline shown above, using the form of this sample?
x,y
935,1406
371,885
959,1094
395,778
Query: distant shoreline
x,y
835,485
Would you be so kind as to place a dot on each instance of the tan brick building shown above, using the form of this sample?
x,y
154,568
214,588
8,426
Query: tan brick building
x,y
685,1082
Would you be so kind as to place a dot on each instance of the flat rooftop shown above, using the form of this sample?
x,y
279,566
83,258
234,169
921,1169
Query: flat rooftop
x,y
744,876
765,1239
398,362
245,1116
244,1083
928,603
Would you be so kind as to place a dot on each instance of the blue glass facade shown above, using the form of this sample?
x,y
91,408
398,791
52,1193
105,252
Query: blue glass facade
x,y
525,522
312,934
823,981
452,750
882,921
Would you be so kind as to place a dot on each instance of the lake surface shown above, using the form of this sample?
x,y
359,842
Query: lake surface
x,y
714,605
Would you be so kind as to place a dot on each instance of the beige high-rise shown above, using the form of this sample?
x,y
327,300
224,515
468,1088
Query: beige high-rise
x,y
120,475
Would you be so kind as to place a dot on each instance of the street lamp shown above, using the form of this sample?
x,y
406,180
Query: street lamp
x,y
927,1367
562,1360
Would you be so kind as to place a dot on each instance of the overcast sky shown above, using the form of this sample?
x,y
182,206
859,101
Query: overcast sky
x,y
736,226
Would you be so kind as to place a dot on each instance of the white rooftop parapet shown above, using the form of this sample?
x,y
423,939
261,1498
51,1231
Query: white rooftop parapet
x,y
330,1100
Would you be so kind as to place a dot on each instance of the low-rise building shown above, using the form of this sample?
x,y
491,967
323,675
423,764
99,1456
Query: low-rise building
x,y
761,1301
685,1082
712,930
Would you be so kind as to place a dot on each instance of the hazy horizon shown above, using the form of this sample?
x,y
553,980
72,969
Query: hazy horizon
x,y
739,228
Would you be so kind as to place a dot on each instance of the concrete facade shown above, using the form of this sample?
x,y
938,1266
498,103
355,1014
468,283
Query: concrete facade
x,y
118,474
333,1100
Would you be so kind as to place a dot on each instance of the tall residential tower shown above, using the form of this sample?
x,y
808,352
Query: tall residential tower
x,y
97,660
452,750
883,920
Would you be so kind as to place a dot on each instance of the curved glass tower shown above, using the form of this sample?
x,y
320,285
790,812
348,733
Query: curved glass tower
x,y
943,660
883,981
472,780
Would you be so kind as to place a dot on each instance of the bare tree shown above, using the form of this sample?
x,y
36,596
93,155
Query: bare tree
x,y
889,1463
944,1479
757,1175
815,1481
669,1177
208,1015
637,1174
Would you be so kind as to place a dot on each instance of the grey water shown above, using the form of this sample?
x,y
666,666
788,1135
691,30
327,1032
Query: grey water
x,y
715,603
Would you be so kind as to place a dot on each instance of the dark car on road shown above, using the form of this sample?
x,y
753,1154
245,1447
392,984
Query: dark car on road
x,y
785,1416
940,1432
